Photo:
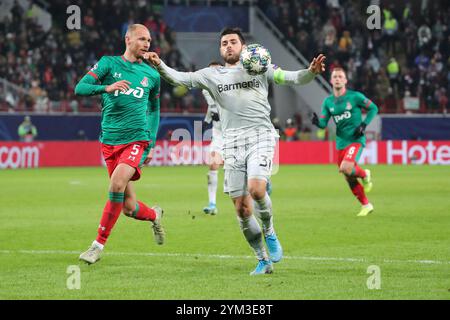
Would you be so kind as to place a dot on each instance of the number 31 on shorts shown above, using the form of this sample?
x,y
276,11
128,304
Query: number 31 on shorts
x,y
265,162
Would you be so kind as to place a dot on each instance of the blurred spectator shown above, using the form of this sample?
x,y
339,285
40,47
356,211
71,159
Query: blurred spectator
x,y
277,125
40,97
27,131
290,132
424,36
393,70
10,101
390,28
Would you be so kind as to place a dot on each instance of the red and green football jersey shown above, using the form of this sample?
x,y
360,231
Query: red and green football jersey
x,y
126,116
346,112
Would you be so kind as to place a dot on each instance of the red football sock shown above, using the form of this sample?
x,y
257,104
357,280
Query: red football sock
x,y
142,212
359,172
358,191
111,213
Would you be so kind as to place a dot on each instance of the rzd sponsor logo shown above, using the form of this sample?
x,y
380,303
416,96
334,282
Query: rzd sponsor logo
x,y
137,93
345,115
19,157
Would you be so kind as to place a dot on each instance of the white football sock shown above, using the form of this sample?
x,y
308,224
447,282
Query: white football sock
x,y
263,210
212,185
252,232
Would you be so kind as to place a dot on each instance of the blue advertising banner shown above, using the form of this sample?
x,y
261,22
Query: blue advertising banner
x,y
87,127
205,19
415,128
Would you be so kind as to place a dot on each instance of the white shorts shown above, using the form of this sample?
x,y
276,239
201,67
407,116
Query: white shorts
x,y
252,160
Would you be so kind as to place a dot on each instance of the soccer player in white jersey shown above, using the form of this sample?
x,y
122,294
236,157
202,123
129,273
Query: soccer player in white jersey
x,y
249,135
215,159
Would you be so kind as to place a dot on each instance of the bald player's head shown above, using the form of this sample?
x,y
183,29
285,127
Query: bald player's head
x,y
137,40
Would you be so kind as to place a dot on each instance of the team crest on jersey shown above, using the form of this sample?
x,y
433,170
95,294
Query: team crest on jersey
x,y
331,109
117,75
349,106
144,82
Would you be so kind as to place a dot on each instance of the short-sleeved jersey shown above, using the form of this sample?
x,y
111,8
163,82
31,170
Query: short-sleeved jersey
x,y
346,112
125,115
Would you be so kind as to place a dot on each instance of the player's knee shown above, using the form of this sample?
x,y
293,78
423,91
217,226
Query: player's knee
x,y
117,185
257,192
346,170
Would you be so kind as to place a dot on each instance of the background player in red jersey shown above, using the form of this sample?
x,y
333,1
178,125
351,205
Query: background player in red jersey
x,y
130,120
345,107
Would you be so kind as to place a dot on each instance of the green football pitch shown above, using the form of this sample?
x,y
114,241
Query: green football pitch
x,y
49,216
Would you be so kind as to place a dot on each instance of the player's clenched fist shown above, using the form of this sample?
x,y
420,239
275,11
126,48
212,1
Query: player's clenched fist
x,y
152,57
122,85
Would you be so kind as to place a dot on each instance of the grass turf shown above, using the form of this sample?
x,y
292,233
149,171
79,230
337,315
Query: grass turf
x,y
49,216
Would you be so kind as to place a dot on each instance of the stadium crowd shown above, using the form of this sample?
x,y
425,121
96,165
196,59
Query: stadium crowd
x,y
49,64
403,66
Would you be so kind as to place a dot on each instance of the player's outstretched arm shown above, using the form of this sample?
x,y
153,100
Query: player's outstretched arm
x,y
188,79
153,108
300,77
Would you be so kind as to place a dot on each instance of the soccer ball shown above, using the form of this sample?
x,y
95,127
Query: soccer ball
x,y
255,59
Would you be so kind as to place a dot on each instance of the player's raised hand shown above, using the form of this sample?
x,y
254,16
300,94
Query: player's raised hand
x,y
318,64
122,85
153,58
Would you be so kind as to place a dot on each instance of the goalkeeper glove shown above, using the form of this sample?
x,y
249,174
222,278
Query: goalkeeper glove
x,y
359,131
315,119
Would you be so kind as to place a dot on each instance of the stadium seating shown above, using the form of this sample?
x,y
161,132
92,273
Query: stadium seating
x,y
49,64
404,67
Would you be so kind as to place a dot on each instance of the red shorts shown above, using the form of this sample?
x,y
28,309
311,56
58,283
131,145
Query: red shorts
x,y
350,153
133,154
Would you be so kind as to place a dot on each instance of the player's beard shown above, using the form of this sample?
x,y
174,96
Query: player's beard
x,y
233,59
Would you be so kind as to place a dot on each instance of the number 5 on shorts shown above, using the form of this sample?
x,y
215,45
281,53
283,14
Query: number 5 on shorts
x,y
135,150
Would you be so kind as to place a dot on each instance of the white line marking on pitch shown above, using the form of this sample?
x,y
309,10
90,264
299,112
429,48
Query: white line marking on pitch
x,y
223,256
